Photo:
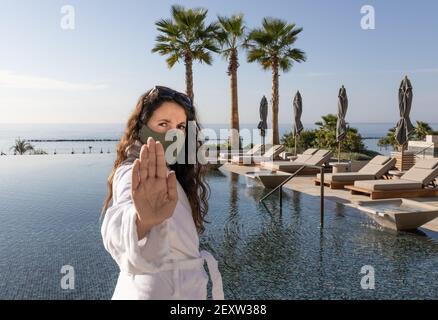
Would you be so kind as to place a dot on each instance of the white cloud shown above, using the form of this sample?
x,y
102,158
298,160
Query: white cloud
x,y
22,81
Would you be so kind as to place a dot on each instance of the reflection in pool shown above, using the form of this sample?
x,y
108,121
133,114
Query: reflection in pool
x,y
50,218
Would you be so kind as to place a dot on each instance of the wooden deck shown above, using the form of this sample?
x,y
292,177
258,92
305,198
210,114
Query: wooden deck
x,y
333,184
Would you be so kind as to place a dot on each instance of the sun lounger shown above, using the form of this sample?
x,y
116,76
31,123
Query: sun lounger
x,y
255,150
374,169
271,154
319,158
302,157
416,182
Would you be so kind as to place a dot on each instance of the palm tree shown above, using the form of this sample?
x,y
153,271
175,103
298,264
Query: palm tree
x,y
328,122
325,135
39,151
422,129
21,146
272,47
388,140
185,37
231,37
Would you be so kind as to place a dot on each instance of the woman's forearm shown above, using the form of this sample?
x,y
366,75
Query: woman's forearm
x,y
142,228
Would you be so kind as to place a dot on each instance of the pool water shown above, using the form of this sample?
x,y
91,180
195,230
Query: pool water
x,y
49,211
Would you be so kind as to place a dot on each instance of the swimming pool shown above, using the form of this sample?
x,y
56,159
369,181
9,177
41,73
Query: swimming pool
x,y
49,211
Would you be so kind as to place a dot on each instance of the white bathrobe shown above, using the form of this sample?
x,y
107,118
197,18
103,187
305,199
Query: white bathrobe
x,y
167,263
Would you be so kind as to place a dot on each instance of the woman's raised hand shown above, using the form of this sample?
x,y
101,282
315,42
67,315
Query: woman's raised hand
x,y
153,190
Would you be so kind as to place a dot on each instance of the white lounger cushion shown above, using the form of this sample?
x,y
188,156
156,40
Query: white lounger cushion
x,y
419,175
345,176
306,155
375,168
319,158
254,150
425,171
269,155
274,150
277,164
310,151
282,165
388,185
378,166
427,164
302,158
379,160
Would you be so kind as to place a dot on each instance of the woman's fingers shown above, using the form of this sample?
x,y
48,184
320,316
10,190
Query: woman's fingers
x,y
171,186
144,158
152,161
161,162
135,175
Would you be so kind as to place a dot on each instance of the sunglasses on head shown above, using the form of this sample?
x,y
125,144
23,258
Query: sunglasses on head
x,y
165,92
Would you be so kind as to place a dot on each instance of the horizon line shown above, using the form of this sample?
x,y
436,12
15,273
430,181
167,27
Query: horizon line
x,y
203,123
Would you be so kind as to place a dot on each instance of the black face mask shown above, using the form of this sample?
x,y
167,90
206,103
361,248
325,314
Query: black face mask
x,y
172,147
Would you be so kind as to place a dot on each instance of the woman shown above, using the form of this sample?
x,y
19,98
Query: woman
x,y
158,206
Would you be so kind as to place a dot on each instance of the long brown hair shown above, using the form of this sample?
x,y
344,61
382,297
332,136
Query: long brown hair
x,y
190,176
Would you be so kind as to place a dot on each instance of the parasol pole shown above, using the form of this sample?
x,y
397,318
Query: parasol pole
x,y
339,151
296,137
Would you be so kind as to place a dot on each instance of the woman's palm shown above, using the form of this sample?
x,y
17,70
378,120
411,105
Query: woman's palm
x,y
154,191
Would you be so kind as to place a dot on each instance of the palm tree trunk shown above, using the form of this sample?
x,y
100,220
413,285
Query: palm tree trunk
x,y
275,98
235,136
189,76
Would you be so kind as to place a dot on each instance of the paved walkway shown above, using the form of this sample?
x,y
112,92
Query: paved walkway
x,y
306,185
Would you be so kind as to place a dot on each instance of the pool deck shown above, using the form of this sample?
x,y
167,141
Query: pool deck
x,y
306,185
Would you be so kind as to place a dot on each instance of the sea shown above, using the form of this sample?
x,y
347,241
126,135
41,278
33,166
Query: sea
x,y
103,137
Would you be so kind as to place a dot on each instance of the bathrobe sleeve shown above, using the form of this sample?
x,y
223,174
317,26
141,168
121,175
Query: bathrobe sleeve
x,y
119,231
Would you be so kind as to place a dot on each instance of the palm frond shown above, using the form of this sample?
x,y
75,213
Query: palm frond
x,y
174,58
296,55
274,42
167,27
186,33
203,57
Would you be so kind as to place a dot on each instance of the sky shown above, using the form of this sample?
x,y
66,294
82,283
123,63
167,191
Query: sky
x,y
96,72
